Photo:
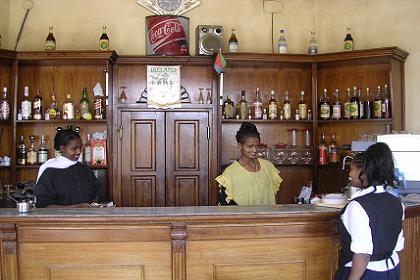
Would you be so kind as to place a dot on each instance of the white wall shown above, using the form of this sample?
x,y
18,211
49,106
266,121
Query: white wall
x,y
375,23
4,23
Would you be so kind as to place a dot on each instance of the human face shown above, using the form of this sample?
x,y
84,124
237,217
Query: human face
x,y
72,150
354,175
249,147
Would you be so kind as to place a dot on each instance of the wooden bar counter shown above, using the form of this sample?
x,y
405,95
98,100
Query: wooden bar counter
x,y
280,242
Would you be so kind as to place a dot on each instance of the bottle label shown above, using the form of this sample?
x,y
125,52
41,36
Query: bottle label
x,y
347,110
52,113
303,112
334,155
88,154
69,111
287,111
233,47
229,111
84,108
50,45
377,108
272,111
323,156
26,109
325,111
5,110
354,110
348,45
103,45
42,156
37,105
336,113
282,48
361,110
258,112
31,157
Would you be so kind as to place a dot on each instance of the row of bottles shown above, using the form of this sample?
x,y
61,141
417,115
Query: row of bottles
x,y
29,155
51,44
35,109
328,153
270,110
356,106
282,42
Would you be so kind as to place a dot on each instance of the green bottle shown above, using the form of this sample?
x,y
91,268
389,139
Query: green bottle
x,y
84,106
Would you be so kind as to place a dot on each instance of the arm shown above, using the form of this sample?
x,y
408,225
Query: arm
x,y
222,197
359,264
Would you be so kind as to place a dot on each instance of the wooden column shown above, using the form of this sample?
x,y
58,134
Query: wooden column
x,y
9,266
178,236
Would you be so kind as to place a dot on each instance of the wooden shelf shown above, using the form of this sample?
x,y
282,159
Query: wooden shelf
x,y
5,121
385,121
266,121
60,121
37,166
143,106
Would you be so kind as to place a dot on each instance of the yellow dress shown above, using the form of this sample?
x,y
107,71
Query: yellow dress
x,y
251,188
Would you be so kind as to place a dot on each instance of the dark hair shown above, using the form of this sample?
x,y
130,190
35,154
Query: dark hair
x,y
358,162
246,131
378,164
63,137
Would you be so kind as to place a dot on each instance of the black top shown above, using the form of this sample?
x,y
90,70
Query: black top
x,y
66,186
385,221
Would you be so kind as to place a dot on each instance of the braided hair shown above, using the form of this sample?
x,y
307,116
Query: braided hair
x,y
64,136
246,131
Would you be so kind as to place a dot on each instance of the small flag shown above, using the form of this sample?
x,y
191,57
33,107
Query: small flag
x,y
220,63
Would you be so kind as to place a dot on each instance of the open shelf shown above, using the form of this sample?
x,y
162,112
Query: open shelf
x,y
385,121
60,121
37,166
265,121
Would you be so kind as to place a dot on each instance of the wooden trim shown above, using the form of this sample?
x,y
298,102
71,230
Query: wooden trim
x,y
8,252
166,60
67,55
179,263
7,55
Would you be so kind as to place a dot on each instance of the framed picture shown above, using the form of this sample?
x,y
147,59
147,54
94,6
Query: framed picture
x,y
163,86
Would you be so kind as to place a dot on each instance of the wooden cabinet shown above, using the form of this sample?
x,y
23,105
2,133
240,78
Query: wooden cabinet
x,y
164,157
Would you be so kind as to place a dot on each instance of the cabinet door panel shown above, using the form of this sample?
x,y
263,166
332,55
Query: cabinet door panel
x,y
187,156
143,159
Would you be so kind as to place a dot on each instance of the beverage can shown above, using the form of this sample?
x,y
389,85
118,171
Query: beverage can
x,y
167,35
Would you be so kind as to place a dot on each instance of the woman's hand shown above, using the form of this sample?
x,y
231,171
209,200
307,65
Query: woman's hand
x,y
358,267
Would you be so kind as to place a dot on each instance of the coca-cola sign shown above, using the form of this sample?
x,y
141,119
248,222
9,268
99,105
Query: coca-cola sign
x,y
167,35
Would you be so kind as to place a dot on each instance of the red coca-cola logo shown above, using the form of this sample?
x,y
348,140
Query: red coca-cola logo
x,y
163,30
167,36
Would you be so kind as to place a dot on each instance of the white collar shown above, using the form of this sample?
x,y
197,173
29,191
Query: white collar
x,y
58,162
371,189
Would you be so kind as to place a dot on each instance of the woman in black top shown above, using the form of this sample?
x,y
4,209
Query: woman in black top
x,y
63,181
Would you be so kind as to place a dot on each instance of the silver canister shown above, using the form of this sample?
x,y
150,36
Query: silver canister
x,y
24,206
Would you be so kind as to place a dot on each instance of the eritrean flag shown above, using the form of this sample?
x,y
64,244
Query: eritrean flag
x,y
220,63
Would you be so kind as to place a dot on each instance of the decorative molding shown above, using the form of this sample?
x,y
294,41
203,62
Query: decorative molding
x,y
178,236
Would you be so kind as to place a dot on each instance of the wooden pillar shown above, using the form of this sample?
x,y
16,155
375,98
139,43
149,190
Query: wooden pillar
x,y
178,236
8,252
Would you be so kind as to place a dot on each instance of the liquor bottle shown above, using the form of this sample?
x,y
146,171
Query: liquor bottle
x,y
336,106
348,41
26,105
333,152
354,105
257,106
50,44
368,107
324,106
104,40
21,152
87,150
208,96
233,42
249,113
361,104
84,106
265,115
287,110
386,104
347,107
68,108
302,107
42,151
31,154
37,110
243,106
313,44
377,104
282,43
228,108
4,106
272,106
99,109
58,153
52,110
323,151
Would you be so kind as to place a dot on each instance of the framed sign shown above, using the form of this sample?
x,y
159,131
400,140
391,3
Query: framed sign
x,y
163,86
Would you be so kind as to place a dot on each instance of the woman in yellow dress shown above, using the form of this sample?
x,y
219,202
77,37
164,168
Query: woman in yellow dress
x,y
249,180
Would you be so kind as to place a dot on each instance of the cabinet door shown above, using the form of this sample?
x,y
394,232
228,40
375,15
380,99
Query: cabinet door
x,y
142,159
187,158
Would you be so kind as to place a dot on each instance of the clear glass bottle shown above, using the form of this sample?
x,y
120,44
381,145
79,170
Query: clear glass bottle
x,y
4,106
347,107
42,150
354,105
53,112
68,108
302,107
287,107
84,106
31,154
324,106
257,106
361,104
377,104
368,107
348,41
313,44
333,151
233,42
336,106
37,109
228,108
21,151
282,43
104,40
26,105
50,43
243,106
386,104
272,106
87,150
